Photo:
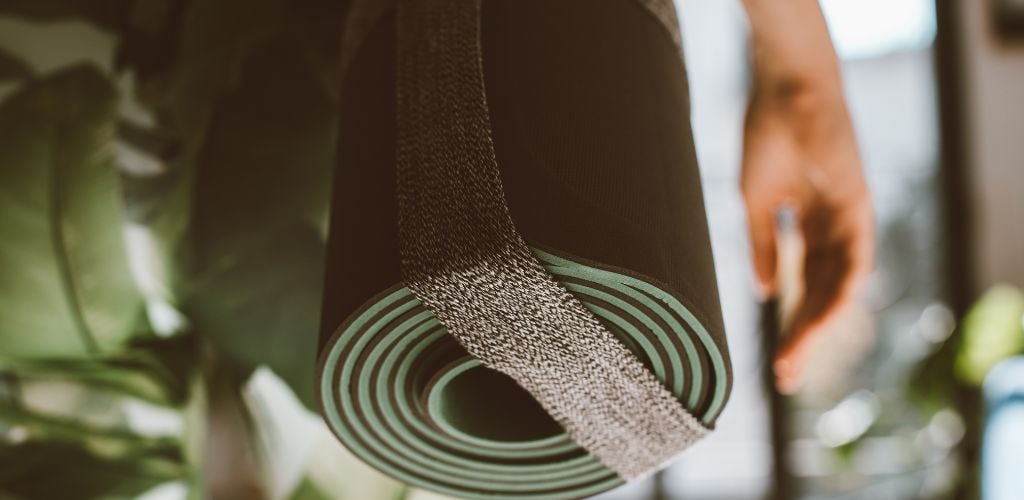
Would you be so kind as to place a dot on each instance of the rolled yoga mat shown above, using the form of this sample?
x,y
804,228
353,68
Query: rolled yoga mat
x,y
592,139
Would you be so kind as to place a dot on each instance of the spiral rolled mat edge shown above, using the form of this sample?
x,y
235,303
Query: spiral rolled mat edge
x,y
385,372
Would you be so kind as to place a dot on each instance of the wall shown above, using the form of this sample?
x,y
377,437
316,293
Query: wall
x,y
994,112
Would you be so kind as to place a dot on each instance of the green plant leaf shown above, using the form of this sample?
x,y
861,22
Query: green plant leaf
x,y
39,470
993,331
307,490
13,68
65,289
105,13
214,39
152,369
262,307
261,191
107,442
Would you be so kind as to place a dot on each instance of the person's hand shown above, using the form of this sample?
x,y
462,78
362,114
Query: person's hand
x,y
800,153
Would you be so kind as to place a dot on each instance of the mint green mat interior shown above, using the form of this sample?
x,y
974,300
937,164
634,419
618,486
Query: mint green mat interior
x,y
403,395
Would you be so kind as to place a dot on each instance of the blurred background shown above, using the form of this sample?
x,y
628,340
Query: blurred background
x,y
154,347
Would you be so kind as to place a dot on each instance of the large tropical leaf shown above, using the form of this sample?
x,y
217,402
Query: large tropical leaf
x,y
41,470
13,68
153,369
105,13
65,289
260,194
195,97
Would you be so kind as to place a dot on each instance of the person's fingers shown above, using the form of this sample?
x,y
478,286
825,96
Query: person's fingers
x,y
826,281
789,370
761,224
837,255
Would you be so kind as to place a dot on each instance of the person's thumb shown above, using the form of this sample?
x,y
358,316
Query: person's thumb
x,y
761,223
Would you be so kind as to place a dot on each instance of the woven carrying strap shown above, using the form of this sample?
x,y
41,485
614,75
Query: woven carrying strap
x,y
464,260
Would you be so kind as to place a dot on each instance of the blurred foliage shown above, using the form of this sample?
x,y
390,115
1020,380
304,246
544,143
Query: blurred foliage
x,y
65,276
106,13
307,490
151,369
259,195
948,380
250,100
191,180
57,470
993,331
13,68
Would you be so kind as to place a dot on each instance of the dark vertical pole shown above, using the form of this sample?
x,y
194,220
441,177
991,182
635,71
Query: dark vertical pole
x,y
782,484
956,209
658,487
956,212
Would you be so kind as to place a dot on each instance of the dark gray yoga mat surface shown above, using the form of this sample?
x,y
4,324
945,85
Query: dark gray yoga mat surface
x,y
591,128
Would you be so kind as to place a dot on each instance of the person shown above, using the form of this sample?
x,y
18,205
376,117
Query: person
x,y
525,171
799,151
589,116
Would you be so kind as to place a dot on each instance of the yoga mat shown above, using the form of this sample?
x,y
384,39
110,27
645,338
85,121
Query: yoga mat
x,y
406,398
602,182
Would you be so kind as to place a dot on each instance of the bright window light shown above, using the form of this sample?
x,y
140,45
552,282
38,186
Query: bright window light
x,y
871,28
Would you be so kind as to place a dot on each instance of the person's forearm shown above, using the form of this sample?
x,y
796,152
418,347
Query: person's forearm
x,y
800,152
792,50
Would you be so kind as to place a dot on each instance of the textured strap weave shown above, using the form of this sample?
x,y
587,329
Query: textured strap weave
x,y
464,260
